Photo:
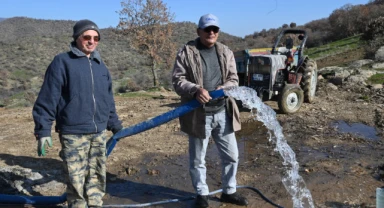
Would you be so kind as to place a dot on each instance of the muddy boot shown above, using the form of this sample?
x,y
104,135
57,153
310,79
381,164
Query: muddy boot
x,y
201,201
234,198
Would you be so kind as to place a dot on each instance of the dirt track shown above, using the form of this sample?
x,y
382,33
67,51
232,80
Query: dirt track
x,y
340,169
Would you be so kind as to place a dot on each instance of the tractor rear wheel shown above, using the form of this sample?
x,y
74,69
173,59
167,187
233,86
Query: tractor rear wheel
x,y
291,99
309,80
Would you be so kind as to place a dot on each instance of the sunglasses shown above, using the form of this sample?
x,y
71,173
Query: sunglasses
x,y
88,38
209,29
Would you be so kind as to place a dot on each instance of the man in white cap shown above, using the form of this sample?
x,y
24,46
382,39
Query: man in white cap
x,y
204,65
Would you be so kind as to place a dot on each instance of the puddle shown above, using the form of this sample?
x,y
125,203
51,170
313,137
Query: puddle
x,y
252,137
126,192
357,129
312,154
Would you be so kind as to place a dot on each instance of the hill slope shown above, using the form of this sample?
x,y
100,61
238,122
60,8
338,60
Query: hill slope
x,y
28,46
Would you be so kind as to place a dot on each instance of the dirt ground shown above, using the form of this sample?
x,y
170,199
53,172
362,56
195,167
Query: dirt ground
x,y
341,169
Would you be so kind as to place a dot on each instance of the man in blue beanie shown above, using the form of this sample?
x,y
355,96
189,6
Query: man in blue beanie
x,y
77,94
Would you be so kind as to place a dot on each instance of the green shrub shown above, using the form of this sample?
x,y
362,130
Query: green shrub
x,y
366,98
377,79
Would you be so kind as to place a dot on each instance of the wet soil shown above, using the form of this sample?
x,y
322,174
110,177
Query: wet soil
x,y
340,168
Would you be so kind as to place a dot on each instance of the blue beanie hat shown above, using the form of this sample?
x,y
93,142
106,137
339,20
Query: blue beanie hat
x,y
84,25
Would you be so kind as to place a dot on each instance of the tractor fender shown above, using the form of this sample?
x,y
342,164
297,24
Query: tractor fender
x,y
303,60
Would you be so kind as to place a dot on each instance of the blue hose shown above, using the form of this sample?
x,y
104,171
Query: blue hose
x,y
170,115
38,200
129,131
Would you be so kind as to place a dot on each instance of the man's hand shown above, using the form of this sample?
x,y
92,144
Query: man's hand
x,y
219,87
203,96
41,145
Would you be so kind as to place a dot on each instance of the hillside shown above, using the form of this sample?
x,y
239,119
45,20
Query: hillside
x,y
28,46
339,52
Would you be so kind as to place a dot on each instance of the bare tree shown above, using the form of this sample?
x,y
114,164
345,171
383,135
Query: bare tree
x,y
149,26
376,2
342,22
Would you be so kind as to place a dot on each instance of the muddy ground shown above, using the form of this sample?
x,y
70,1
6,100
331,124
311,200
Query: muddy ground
x,y
341,169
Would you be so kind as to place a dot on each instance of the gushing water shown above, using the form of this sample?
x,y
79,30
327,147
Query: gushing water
x,y
292,181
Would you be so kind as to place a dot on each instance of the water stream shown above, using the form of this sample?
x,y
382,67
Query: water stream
x,y
292,181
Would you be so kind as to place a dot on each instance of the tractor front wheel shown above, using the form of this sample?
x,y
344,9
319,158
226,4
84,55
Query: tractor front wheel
x,y
291,99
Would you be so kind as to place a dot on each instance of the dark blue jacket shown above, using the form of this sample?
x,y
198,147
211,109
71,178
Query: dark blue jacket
x,y
77,93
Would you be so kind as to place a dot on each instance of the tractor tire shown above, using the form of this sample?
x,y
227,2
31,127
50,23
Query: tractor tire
x,y
291,99
309,82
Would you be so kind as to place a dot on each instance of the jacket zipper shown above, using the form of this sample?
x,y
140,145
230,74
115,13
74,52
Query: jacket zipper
x,y
93,94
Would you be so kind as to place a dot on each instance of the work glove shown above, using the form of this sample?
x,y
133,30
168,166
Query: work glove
x,y
41,145
114,131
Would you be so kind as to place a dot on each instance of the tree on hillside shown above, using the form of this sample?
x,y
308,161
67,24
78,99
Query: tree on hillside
x,y
361,16
374,35
319,32
148,24
376,2
341,22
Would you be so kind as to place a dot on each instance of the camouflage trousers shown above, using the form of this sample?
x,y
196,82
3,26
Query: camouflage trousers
x,y
84,157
